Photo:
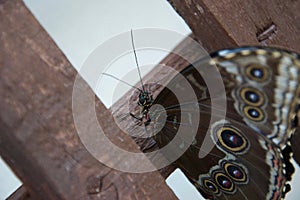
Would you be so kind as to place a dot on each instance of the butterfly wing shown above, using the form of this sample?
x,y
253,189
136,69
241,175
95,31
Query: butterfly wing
x,y
265,88
259,119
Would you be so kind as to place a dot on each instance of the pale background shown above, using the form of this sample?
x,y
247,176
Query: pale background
x,y
78,27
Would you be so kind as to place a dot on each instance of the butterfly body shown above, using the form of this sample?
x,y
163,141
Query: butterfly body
x,y
262,102
145,101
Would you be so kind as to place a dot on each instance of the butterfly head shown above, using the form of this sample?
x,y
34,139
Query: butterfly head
x,y
145,99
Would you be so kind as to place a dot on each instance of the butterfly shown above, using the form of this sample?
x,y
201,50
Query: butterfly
x,y
250,158
230,119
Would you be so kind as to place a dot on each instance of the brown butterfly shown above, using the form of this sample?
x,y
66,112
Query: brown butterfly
x,y
251,155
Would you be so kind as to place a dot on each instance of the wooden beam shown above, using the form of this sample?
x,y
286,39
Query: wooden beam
x,y
20,194
38,136
219,24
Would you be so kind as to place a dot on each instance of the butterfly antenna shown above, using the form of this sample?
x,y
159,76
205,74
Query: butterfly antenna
x,y
136,60
112,76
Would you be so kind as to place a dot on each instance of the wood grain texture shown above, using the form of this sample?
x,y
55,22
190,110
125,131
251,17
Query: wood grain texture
x,y
222,24
20,194
38,138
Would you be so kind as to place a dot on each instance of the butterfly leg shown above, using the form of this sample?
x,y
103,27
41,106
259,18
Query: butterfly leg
x,y
135,117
